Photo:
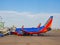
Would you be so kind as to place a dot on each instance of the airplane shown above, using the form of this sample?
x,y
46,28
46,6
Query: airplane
x,y
40,29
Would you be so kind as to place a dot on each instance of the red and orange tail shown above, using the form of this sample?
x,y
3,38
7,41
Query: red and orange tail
x,y
49,22
47,26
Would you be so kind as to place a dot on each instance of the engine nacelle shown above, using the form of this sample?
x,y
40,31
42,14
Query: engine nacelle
x,y
49,29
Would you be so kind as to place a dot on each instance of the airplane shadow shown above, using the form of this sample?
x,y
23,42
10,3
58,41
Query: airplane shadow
x,y
46,35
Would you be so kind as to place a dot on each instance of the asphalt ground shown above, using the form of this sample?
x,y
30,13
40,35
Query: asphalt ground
x,y
50,38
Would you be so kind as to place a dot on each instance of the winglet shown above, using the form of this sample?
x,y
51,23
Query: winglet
x,y
22,27
39,25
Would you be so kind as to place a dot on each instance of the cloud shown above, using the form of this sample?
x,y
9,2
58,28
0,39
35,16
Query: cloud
x,y
28,19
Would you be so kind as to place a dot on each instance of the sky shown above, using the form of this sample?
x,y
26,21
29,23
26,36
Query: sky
x,y
29,12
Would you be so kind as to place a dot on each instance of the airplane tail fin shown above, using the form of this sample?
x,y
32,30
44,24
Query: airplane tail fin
x,y
48,24
39,25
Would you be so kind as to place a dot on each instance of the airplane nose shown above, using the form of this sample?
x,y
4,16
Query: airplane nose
x,y
49,29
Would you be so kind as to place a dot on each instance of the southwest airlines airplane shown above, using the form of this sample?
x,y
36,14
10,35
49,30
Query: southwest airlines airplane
x,y
40,29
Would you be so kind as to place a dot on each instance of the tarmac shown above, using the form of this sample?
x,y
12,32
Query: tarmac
x,y
50,38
